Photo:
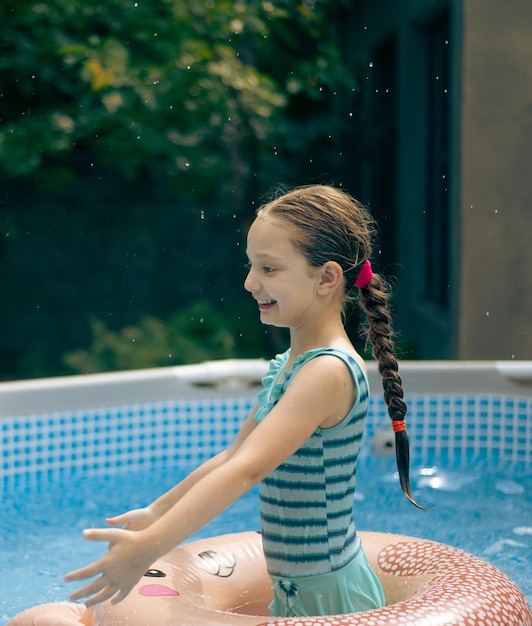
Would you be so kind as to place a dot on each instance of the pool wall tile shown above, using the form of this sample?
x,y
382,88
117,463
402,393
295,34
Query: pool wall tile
x,y
114,437
458,428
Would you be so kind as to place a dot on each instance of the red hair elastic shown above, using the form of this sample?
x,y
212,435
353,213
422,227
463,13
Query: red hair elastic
x,y
364,276
398,425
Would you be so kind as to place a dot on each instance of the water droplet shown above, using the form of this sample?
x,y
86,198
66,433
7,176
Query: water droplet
x,y
487,313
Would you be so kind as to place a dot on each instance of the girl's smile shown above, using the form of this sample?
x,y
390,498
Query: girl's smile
x,y
265,306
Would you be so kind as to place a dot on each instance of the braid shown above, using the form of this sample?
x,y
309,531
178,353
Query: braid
x,y
379,332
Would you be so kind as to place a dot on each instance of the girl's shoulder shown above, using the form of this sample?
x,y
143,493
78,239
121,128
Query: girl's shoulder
x,y
279,376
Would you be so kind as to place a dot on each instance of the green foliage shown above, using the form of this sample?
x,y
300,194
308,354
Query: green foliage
x,y
135,138
180,88
195,334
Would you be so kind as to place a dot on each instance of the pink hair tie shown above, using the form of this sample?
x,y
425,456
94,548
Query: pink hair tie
x,y
364,276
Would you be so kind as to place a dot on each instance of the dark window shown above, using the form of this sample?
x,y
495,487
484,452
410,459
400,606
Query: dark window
x,y
381,140
438,129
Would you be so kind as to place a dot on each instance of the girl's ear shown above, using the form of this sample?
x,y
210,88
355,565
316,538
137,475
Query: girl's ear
x,y
332,275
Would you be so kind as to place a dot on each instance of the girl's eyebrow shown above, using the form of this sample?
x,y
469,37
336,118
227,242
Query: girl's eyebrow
x,y
264,256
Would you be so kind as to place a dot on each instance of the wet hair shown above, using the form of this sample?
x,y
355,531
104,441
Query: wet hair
x,y
330,225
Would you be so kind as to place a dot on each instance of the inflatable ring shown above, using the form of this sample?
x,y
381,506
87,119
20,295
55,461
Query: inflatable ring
x,y
224,581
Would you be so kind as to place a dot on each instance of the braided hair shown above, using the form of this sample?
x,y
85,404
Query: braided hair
x,y
330,225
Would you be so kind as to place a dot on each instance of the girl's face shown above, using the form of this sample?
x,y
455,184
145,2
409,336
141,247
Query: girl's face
x,y
280,278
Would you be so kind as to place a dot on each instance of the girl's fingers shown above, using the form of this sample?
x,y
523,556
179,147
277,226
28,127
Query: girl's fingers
x,y
93,569
99,591
102,534
107,592
89,571
102,588
92,588
121,595
117,520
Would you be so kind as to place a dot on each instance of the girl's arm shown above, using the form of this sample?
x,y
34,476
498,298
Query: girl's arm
x,y
316,393
166,501
142,518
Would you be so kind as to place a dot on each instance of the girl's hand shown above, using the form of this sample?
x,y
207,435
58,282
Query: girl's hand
x,y
137,519
118,571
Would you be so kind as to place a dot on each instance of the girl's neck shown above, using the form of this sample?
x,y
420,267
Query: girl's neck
x,y
324,336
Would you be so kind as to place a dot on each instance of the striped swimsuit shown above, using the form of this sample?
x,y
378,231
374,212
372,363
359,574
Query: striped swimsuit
x,y
307,502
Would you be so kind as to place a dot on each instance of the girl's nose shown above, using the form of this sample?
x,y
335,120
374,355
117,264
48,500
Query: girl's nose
x,y
250,284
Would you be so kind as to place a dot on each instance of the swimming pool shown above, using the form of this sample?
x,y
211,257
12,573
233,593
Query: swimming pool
x,y
76,449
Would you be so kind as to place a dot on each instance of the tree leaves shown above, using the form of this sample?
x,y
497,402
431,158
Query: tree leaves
x,y
120,79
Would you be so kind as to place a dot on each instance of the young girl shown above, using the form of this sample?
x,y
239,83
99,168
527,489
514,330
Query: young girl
x,y
308,254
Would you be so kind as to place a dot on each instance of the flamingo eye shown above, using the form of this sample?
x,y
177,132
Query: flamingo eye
x,y
155,573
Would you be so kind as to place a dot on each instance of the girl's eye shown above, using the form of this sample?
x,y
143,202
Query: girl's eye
x,y
265,268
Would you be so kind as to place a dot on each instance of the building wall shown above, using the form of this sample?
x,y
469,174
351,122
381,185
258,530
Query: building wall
x,y
495,318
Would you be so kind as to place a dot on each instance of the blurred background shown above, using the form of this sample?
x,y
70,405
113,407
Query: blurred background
x,y
137,139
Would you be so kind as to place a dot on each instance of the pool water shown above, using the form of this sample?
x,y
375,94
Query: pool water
x,y
483,510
